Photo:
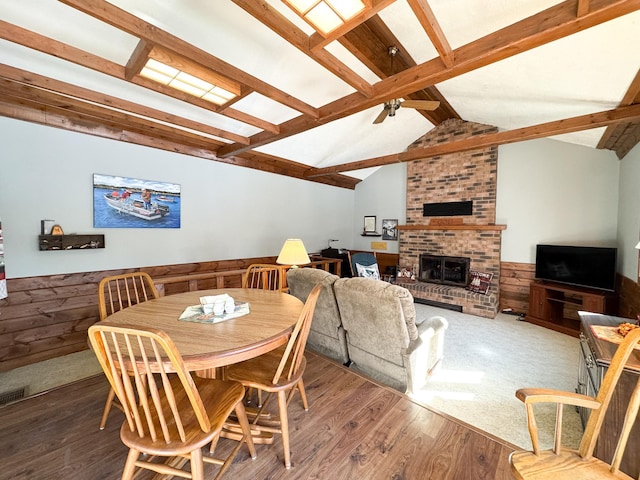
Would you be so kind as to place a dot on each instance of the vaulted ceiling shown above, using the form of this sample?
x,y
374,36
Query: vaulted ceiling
x,y
303,103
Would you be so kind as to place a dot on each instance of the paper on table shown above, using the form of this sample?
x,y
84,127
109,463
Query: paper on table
x,y
196,314
210,299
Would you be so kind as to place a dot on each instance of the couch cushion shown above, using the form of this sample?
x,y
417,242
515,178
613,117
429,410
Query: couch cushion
x,y
379,317
326,318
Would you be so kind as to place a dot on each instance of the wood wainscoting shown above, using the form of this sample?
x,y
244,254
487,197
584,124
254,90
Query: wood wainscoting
x,y
628,298
47,317
515,279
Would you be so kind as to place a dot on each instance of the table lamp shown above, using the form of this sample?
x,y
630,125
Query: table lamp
x,y
293,253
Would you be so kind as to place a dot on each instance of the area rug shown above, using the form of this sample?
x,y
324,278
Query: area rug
x,y
487,360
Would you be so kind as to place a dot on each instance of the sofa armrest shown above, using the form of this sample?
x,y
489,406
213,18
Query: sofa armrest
x,y
425,353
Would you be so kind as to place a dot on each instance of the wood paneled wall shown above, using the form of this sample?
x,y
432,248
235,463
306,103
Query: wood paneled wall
x,y
629,298
48,316
514,286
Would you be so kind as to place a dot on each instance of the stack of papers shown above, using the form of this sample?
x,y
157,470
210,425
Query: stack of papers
x,y
195,313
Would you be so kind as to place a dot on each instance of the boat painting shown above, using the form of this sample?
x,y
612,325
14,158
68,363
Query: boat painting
x,y
130,206
124,202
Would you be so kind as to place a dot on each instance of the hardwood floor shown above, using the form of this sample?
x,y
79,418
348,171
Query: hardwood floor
x,y
354,429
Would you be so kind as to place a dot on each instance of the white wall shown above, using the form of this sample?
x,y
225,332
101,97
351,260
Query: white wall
x,y
383,195
555,192
629,214
548,191
227,211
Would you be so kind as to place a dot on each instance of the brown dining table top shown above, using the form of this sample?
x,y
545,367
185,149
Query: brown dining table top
x,y
205,346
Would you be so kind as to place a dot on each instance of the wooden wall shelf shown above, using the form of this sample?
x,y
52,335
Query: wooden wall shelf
x,y
452,227
70,242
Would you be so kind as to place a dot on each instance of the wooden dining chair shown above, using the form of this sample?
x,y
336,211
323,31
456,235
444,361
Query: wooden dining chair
x,y
280,372
265,276
168,412
562,463
114,294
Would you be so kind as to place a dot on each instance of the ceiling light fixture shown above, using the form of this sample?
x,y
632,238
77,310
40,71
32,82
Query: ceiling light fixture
x,y
189,78
327,15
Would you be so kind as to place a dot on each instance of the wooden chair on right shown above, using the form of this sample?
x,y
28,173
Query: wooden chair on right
x,y
280,372
264,276
168,412
114,294
568,464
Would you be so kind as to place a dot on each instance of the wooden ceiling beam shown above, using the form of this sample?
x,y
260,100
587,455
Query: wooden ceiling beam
x,y
137,60
370,42
56,102
558,127
45,83
50,46
583,8
116,17
46,107
268,16
318,41
79,115
544,27
429,22
616,137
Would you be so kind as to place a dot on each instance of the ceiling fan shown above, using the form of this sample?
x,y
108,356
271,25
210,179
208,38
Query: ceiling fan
x,y
390,107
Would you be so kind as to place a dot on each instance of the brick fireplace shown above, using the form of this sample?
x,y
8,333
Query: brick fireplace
x,y
436,188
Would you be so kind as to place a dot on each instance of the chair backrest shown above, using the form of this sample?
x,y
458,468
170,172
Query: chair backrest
x,y
264,276
366,259
294,352
122,291
153,404
367,308
607,388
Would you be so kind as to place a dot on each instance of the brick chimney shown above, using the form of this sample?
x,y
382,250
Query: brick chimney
x,y
444,183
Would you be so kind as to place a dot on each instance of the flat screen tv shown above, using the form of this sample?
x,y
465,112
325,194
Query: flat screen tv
x,y
593,267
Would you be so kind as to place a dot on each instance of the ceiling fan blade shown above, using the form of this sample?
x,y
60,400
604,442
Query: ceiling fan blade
x,y
420,104
382,116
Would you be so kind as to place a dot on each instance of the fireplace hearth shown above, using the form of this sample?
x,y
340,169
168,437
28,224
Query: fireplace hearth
x,y
444,270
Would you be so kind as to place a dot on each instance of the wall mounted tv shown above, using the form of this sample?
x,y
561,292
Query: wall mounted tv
x,y
593,267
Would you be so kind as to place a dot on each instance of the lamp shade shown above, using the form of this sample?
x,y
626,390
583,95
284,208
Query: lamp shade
x,y
638,246
293,253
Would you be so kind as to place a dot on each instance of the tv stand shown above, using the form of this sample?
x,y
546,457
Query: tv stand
x,y
556,306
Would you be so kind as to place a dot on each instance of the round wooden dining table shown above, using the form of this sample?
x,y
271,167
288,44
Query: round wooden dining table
x,y
206,346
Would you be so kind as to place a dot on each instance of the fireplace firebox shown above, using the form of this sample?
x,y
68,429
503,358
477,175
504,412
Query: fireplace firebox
x,y
445,270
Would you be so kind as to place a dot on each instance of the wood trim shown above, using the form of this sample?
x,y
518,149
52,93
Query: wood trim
x,y
126,22
544,27
568,125
429,22
452,227
263,12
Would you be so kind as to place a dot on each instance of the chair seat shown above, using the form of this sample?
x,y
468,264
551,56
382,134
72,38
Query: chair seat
x,y
259,371
568,465
219,398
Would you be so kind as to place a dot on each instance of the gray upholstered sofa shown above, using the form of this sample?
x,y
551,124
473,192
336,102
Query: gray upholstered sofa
x,y
326,335
371,325
384,339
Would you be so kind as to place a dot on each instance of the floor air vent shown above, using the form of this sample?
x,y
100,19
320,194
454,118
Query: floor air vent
x,y
12,396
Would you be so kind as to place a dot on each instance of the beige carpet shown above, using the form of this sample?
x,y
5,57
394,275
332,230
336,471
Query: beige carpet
x,y
487,360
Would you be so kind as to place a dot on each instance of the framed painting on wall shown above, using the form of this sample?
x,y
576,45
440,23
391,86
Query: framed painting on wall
x,y
390,229
369,224
124,202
